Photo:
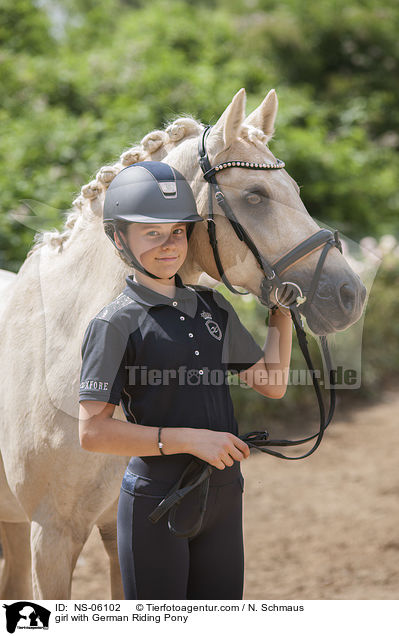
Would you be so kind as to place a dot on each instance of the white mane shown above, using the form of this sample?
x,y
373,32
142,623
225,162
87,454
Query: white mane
x,y
154,146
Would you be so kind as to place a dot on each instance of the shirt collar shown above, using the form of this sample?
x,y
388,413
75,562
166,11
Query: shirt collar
x,y
185,298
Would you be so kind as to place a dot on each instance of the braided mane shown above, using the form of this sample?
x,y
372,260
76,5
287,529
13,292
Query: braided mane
x,y
88,204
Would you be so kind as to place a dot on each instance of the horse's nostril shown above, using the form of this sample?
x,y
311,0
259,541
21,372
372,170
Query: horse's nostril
x,y
347,296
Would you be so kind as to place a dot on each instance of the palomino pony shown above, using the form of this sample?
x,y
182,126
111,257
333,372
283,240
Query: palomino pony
x,y
52,491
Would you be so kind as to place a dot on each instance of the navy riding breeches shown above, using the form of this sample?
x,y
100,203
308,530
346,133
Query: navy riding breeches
x,y
154,563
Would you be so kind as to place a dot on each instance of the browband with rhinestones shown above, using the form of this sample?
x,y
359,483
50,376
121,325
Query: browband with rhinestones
x,y
245,164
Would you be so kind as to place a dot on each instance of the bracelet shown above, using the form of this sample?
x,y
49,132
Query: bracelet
x,y
160,444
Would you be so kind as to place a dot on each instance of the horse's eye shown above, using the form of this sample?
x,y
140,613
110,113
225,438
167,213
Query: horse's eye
x,y
253,198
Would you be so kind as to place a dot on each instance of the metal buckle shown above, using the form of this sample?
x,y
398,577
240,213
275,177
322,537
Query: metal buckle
x,y
299,300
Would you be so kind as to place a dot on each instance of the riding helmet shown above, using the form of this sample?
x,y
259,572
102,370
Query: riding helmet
x,y
147,192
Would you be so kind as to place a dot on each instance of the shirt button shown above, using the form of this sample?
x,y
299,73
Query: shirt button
x,y
196,353
182,318
190,335
201,372
174,303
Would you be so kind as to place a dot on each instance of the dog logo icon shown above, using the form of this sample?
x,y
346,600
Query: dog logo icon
x,y
26,615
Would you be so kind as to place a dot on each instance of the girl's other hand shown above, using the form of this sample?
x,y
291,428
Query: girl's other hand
x,y
217,448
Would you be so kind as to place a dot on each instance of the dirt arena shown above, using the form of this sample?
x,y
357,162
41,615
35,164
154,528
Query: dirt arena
x,y
323,528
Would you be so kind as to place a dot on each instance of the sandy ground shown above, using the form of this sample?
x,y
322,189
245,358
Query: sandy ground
x,y
323,528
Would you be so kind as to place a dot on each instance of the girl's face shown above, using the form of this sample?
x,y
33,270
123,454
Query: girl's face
x,y
160,247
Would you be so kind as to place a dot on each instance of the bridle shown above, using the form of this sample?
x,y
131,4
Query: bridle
x,y
273,291
272,282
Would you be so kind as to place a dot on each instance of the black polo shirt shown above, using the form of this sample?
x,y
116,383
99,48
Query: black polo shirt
x,y
166,359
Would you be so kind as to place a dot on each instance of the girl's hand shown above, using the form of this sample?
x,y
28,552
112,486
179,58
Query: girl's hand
x,y
217,448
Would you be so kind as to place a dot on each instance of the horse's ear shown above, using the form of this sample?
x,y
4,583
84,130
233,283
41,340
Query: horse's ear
x,y
265,115
227,128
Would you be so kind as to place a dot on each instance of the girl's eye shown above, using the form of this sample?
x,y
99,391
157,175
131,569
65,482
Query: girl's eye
x,y
155,233
253,199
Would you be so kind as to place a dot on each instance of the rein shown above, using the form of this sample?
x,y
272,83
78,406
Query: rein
x,y
273,292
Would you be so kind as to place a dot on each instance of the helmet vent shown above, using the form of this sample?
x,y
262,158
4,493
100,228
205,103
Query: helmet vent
x,y
168,189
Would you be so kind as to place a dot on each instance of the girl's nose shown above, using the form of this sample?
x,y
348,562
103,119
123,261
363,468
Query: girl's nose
x,y
168,241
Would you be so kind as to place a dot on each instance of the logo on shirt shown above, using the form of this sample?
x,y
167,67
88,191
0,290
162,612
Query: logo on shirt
x,y
211,325
94,384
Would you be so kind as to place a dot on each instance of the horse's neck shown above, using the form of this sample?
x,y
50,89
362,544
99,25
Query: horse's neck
x,y
78,280
99,270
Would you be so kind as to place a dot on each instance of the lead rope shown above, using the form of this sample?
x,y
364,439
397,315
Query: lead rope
x,y
201,472
260,439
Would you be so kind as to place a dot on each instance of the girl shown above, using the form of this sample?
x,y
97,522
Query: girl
x,y
163,350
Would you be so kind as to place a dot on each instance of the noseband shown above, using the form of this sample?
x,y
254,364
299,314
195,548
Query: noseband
x,y
273,292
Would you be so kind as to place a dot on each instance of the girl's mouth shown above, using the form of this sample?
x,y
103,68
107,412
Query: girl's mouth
x,y
167,258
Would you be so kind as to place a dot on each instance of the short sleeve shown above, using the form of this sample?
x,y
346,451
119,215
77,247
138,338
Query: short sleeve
x,y
240,350
103,372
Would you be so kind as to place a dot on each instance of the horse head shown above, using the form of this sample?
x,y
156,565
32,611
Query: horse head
x,y
268,205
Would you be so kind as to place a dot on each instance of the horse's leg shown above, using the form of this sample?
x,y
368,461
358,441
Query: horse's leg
x,y
107,527
55,547
15,580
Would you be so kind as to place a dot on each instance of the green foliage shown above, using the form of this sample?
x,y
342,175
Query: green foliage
x,y
381,332
23,27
